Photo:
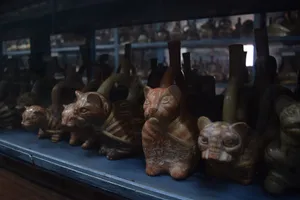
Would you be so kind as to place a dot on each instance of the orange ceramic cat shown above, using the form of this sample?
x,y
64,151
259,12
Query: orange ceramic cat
x,y
169,142
169,133
79,135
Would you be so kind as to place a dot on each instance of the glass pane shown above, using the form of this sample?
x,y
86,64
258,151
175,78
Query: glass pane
x,y
17,45
133,34
110,57
283,23
66,40
105,36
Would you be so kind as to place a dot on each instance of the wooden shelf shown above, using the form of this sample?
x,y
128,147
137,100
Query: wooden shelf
x,y
126,177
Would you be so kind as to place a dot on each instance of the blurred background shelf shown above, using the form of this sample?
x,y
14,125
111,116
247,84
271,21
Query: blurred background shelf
x,y
185,43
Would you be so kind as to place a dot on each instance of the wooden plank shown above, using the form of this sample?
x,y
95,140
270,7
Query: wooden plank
x,y
53,181
13,187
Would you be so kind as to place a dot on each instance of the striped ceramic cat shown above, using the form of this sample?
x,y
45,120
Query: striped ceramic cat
x,y
168,136
48,123
79,135
117,124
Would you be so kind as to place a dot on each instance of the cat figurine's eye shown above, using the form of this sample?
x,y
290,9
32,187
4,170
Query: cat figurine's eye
x,y
146,102
165,99
83,110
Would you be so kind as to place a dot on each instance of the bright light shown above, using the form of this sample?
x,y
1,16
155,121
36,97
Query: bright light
x,y
249,48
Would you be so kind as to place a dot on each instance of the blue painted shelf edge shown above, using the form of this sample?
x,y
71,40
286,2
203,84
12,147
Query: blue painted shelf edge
x,y
126,177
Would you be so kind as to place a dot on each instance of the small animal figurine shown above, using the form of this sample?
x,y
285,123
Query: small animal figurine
x,y
230,149
162,34
190,31
36,117
283,155
79,135
169,133
225,28
7,116
115,123
228,146
208,29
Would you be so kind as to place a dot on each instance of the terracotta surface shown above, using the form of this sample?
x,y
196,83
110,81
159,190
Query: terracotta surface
x,y
169,134
13,187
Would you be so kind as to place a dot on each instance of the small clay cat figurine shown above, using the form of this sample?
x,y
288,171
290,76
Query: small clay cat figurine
x,y
229,149
283,155
168,141
169,133
115,123
37,117
79,135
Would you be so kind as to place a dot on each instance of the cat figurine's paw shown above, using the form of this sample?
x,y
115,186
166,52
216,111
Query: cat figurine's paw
x,y
114,153
179,171
42,134
74,139
88,144
56,138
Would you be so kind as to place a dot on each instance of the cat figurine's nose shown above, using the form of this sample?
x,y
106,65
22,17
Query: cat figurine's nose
x,y
152,111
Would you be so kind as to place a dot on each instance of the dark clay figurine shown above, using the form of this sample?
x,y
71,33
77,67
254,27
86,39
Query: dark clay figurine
x,y
169,134
84,136
283,155
49,120
36,117
227,146
115,123
79,135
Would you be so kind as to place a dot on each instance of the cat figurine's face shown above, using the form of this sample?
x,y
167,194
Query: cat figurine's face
x,y
161,103
34,117
68,117
90,108
221,141
290,120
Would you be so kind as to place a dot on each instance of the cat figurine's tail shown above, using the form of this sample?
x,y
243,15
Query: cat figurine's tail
x,y
7,116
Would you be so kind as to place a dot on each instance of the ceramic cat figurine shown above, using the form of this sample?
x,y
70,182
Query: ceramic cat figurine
x,y
49,125
116,123
168,138
169,133
83,136
228,147
283,155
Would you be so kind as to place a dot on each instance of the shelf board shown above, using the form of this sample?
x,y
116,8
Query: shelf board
x,y
126,177
60,49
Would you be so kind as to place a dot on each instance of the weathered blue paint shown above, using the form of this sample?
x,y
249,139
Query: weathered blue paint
x,y
124,177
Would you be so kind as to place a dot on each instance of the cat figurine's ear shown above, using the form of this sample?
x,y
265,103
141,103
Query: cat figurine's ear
x,y
175,91
146,90
95,100
26,107
78,94
241,128
64,105
202,122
